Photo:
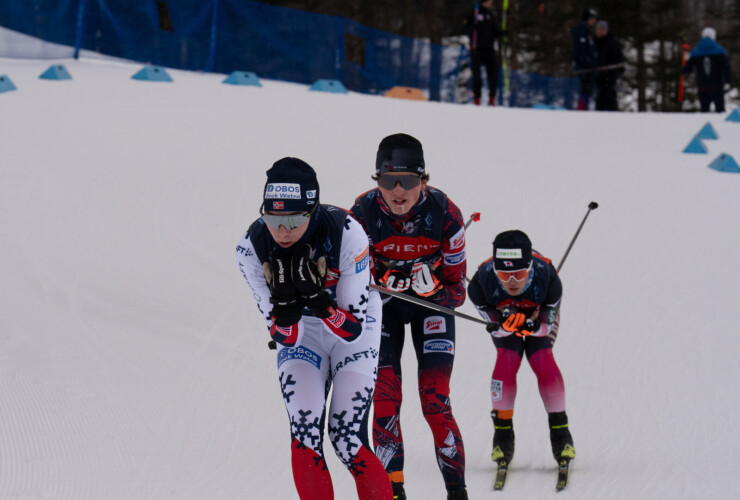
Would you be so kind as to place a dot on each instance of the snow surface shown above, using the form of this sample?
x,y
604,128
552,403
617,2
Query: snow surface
x,y
133,360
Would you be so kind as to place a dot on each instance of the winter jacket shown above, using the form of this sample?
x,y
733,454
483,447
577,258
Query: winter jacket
x,y
711,63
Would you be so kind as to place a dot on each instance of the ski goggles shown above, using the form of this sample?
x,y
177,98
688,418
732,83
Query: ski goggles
x,y
407,181
289,221
518,275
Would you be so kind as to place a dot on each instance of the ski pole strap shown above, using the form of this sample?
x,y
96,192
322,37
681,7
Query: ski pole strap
x,y
435,307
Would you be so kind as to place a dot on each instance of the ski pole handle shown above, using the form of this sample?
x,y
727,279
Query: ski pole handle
x,y
591,206
474,217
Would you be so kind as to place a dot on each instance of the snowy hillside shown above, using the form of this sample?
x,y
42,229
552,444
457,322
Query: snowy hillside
x,y
133,361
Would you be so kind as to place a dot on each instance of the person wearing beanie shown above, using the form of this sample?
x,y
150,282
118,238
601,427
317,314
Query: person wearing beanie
x,y
483,29
584,57
520,289
308,267
709,60
609,67
417,245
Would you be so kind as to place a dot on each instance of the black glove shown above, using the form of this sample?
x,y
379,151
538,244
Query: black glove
x,y
530,326
286,302
309,278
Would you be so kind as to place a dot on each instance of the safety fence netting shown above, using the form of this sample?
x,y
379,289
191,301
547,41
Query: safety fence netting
x,y
274,42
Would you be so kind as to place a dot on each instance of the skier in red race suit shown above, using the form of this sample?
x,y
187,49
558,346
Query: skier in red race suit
x,y
307,265
417,245
520,289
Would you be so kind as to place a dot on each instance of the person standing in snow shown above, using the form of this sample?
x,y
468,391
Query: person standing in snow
x,y
482,29
609,67
584,57
520,289
307,266
712,66
417,245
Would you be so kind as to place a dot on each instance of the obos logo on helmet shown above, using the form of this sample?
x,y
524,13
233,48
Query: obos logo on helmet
x,y
283,191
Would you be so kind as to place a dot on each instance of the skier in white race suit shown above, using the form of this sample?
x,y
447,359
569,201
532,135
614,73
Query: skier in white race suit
x,y
307,266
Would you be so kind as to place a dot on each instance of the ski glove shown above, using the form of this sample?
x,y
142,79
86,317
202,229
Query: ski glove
x,y
396,281
424,281
309,278
530,327
512,321
286,303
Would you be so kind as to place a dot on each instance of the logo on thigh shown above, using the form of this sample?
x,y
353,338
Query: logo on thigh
x,y
300,353
439,345
435,324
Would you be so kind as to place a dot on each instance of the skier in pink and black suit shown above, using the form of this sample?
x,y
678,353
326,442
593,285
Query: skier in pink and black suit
x,y
417,245
520,289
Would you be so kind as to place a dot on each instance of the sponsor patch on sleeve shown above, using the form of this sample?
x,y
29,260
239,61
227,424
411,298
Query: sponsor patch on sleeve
x,y
361,261
455,258
440,345
458,241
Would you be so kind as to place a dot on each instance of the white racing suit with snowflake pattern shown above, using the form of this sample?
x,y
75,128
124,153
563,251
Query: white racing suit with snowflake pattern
x,y
323,358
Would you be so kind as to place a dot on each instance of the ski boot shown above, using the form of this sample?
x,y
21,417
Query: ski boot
x,y
503,438
491,101
397,485
457,494
560,438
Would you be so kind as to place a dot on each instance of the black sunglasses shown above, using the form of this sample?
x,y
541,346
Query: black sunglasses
x,y
407,182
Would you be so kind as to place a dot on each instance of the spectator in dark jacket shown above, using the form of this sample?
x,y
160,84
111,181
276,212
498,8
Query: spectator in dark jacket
x,y
584,57
712,71
609,67
482,28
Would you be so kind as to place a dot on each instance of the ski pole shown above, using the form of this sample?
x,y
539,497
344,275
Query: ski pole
x,y
505,47
490,326
591,206
474,217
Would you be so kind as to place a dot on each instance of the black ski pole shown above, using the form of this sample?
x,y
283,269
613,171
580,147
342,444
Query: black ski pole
x,y
591,206
490,327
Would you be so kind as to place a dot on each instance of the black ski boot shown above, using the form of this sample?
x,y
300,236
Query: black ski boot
x,y
398,491
503,439
560,438
457,494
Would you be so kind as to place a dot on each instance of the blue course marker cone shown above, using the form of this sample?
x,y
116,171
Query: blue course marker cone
x,y
152,74
695,146
5,84
242,78
334,86
56,72
725,163
734,116
707,132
